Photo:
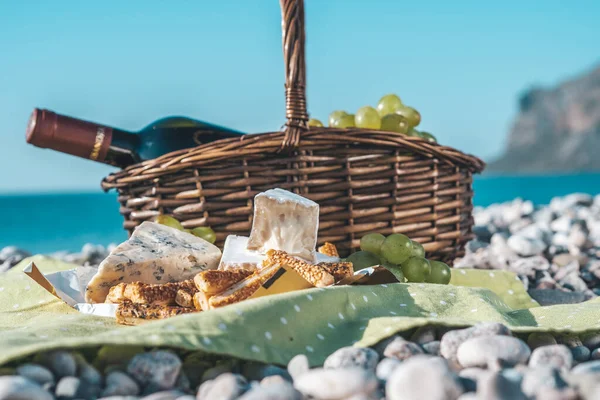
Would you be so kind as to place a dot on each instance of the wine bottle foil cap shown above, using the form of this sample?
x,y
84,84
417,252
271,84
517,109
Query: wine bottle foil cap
x,y
80,138
41,128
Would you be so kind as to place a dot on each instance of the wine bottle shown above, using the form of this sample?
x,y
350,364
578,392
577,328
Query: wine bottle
x,y
118,147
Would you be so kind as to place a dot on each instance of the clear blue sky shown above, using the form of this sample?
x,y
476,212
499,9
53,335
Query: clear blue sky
x,y
126,63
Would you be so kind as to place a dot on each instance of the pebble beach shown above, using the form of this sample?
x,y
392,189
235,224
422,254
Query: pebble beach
x,y
553,249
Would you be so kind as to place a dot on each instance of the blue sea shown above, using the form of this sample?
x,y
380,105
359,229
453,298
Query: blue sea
x,y
45,223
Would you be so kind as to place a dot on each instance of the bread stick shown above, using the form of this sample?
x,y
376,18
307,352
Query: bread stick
x,y
329,249
184,298
200,301
143,293
316,275
129,313
244,289
213,281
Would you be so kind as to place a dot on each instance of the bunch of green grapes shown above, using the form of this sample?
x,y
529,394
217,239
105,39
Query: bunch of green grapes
x,y
202,232
403,257
390,115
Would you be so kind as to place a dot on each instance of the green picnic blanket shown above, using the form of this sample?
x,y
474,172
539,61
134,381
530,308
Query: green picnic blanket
x,y
275,328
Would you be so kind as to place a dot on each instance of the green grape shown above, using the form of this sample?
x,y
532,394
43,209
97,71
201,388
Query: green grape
x,y
394,123
427,136
412,116
440,273
334,116
368,118
205,233
414,133
416,269
168,221
372,242
396,270
396,248
388,104
345,121
363,259
314,122
417,249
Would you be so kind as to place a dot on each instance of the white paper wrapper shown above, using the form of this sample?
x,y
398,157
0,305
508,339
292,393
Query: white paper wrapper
x,y
69,286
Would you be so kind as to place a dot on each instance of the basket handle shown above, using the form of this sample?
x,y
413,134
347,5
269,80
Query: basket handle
x,y
292,25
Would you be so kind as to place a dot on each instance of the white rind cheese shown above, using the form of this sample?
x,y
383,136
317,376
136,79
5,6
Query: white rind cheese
x,y
236,254
153,254
285,221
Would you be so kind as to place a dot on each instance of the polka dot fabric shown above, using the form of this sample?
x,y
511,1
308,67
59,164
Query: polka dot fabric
x,y
274,329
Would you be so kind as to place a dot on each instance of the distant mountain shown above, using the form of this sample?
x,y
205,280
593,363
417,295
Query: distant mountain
x,y
556,130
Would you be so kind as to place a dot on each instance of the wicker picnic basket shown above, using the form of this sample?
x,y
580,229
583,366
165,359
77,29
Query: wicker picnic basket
x,y
363,180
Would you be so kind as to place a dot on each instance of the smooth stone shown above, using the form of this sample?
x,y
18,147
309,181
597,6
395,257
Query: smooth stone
x,y
156,368
526,246
577,238
432,348
480,351
272,380
280,391
111,355
36,373
551,297
89,375
581,353
423,377
589,367
496,386
539,339
386,367
72,387
595,354
256,371
215,371
186,397
227,386
529,265
423,334
401,349
348,357
568,339
564,259
20,388
119,398
468,396
451,340
474,245
164,395
120,384
333,384
183,383
542,377
473,373
297,366
573,282
591,340
557,356
547,393
562,224
60,362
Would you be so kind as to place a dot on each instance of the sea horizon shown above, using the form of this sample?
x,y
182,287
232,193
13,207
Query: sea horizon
x,y
52,221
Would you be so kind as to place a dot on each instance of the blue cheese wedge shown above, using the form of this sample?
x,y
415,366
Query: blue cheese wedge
x,y
153,254
285,221
236,255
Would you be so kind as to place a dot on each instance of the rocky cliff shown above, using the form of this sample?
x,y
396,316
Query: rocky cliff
x,y
557,129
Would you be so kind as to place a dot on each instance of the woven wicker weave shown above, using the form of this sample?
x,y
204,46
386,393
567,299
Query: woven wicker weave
x,y
363,180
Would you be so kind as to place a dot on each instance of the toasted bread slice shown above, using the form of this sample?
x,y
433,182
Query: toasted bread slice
x,y
129,313
143,293
316,275
215,281
329,249
244,289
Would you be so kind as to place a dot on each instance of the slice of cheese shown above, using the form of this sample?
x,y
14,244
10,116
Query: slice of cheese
x,y
236,255
153,254
285,221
